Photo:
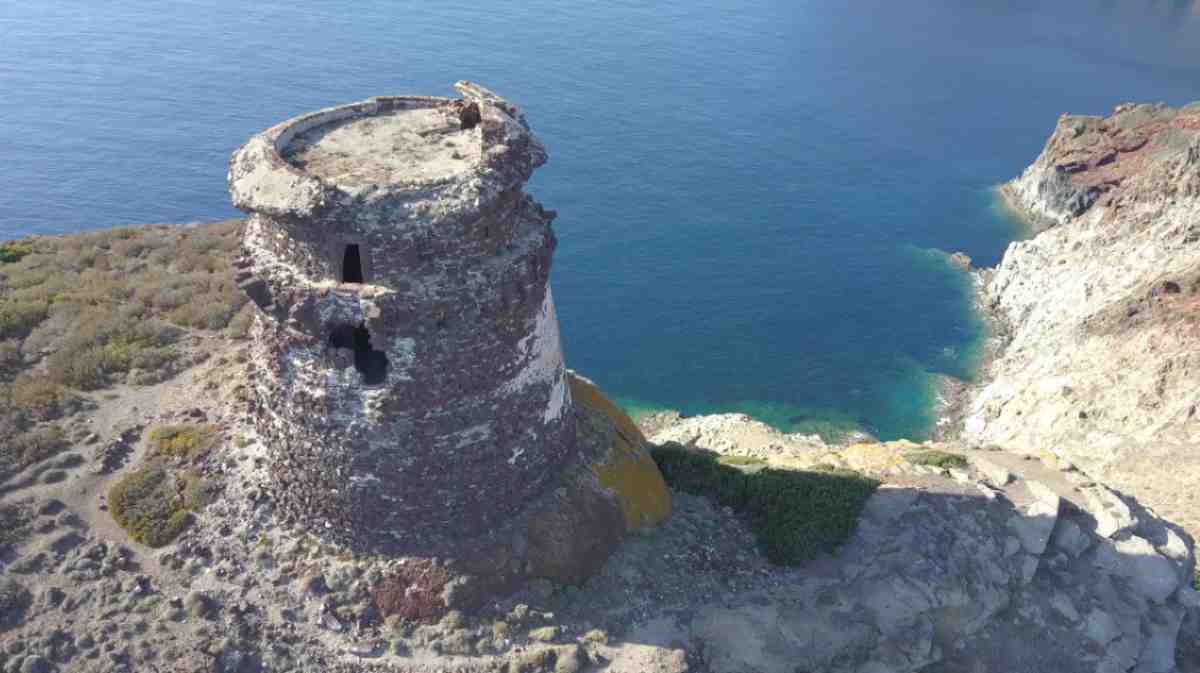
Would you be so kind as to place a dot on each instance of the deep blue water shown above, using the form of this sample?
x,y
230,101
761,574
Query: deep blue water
x,y
747,189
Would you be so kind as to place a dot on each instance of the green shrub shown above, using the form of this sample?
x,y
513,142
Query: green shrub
x,y
182,441
199,492
17,318
935,458
148,505
13,251
796,514
742,461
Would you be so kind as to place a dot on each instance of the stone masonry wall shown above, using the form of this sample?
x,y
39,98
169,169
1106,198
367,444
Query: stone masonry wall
x,y
427,406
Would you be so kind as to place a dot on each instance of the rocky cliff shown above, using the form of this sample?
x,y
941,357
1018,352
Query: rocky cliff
x,y
965,560
1100,311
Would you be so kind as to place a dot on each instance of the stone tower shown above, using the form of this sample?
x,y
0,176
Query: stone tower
x,y
409,374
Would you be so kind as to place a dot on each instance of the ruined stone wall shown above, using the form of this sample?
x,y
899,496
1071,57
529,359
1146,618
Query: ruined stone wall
x,y
428,405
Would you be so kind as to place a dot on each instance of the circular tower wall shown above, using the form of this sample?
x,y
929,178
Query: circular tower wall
x,y
409,372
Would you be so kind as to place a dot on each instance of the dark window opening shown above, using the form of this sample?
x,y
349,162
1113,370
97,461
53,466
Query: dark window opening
x,y
352,271
469,116
372,364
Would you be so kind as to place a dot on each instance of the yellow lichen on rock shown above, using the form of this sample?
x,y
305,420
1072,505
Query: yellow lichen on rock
x,y
627,469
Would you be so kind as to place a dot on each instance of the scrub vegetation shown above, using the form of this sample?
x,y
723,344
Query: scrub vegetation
x,y
149,504
796,514
940,459
86,312
182,441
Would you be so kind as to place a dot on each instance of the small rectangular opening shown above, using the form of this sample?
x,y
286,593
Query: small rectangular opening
x,y
352,271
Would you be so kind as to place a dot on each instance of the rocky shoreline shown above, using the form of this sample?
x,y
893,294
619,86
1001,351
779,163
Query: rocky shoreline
x,y
955,394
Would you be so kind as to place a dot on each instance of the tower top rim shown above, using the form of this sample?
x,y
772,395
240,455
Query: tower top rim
x,y
398,149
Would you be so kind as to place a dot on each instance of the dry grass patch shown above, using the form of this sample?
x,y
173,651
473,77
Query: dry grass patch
x,y
40,399
940,459
92,310
101,304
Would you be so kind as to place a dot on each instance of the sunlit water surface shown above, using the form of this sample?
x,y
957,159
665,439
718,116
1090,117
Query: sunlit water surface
x,y
749,191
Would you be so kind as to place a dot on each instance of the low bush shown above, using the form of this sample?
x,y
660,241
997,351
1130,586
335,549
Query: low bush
x,y
148,504
199,492
31,446
414,593
742,461
18,318
13,251
10,359
15,522
796,514
186,441
40,399
15,599
103,346
936,458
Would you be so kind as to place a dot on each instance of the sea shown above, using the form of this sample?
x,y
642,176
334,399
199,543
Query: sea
x,y
754,196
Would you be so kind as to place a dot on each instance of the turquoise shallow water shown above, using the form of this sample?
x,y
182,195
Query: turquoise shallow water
x,y
747,190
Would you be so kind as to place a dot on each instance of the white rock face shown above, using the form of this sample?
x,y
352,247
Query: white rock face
x,y
1102,308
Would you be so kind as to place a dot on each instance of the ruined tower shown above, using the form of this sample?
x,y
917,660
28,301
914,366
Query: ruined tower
x,y
408,370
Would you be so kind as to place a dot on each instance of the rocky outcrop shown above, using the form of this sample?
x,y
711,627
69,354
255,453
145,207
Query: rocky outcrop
x,y
1101,309
992,563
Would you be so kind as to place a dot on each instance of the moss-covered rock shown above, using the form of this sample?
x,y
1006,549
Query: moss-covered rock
x,y
628,469
615,489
